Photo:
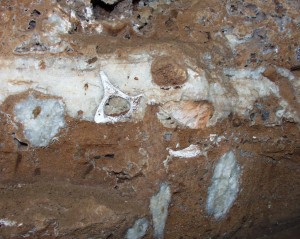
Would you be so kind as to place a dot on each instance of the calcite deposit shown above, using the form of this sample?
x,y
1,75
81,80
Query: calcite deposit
x,y
149,119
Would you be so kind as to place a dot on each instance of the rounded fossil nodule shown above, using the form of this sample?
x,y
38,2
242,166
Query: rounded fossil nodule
x,y
168,72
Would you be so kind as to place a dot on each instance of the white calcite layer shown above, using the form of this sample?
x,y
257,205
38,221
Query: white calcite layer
x,y
41,118
63,77
138,230
133,76
159,208
243,88
224,186
79,85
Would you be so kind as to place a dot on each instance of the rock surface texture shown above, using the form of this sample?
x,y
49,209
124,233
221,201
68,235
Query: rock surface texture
x,y
149,119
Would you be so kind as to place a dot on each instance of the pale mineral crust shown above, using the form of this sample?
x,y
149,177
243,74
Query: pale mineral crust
x,y
149,119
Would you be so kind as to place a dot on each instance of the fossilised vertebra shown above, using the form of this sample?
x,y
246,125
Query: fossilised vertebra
x,y
109,92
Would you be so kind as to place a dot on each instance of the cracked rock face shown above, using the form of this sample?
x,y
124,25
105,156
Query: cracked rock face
x,y
149,119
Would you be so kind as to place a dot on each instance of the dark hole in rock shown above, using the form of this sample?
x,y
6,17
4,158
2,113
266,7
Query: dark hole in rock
x,y
31,24
69,50
142,26
20,144
35,13
104,156
109,156
99,6
121,176
127,36
116,106
253,116
295,68
265,115
135,2
116,8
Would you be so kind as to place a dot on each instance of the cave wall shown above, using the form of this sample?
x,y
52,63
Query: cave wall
x,y
149,119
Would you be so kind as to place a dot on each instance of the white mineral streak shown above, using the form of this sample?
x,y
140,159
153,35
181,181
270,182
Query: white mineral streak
x,y
7,223
159,208
224,186
138,230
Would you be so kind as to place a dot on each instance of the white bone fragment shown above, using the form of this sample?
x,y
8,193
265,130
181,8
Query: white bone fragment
x,y
189,152
109,92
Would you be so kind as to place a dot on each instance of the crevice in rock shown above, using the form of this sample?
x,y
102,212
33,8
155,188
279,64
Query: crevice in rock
x,y
20,144
97,5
